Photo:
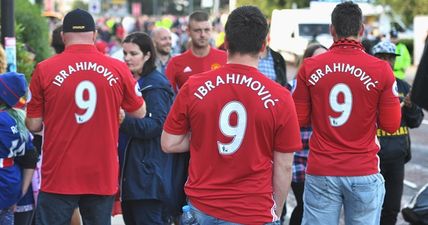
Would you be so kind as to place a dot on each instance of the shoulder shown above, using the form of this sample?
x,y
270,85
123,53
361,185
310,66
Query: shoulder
x,y
180,57
218,52
155,79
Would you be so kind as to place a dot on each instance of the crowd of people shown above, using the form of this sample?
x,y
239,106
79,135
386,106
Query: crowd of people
x,y
218,128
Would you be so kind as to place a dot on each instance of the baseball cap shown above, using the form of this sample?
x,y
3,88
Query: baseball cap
x,y
384,47
393,34
12,87
78,20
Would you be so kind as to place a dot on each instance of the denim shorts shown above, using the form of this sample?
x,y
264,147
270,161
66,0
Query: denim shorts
x,y
360,196
204,219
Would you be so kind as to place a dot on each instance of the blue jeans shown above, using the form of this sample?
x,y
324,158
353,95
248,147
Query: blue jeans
x,y
204,219
360,196
57,209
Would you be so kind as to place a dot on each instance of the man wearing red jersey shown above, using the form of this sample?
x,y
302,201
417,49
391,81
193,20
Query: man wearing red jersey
x,y
346,95
200,57
76,96
244,130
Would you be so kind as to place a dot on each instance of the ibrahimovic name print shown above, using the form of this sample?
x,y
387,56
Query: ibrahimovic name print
x,y
84,66
249,82
343,68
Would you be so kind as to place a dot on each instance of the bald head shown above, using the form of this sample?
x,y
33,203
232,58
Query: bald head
x,y
162,40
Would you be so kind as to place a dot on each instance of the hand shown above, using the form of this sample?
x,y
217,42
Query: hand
x,y
407,101
121,116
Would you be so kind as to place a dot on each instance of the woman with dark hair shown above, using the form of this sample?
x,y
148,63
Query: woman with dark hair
x,y
301,157
146,171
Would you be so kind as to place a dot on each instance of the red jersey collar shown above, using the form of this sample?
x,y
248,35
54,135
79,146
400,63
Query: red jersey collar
x,y
241,67
78,48
347,43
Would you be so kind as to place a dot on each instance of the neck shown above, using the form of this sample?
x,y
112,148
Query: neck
x,y
200,52
357,39
163,58
243,59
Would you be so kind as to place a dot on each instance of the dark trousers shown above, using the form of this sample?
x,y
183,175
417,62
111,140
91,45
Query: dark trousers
x,y
143,212
57,209
297,214
393,172
24,218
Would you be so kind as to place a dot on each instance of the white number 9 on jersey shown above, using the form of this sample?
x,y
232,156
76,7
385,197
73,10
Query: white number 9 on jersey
x,y
88,105
343,108
237,132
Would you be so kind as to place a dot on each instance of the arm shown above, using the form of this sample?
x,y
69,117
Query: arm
x,y
281,178
158,101
411,113
27,175
302,99
34,124
175,143
139,113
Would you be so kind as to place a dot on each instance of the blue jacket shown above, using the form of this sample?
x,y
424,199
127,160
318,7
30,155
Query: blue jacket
x,y
148,172
11,146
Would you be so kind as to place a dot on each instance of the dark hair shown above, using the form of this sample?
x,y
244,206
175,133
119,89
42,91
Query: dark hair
x,y
310,50
368,45
347,19
246,30
145,44
57,42
198,16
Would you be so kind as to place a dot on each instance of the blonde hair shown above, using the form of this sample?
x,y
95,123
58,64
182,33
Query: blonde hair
x,y
3,62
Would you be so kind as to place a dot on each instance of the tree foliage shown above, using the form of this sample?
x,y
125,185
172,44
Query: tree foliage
x,y
407,9
35,29
267,6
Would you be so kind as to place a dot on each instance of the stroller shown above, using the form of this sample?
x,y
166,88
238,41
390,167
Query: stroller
x,y
416,212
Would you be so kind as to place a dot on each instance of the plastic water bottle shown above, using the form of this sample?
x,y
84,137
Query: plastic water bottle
x,y
187,218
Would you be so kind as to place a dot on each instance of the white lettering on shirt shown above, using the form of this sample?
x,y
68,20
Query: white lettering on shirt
x,y
343,68
84,66
244,80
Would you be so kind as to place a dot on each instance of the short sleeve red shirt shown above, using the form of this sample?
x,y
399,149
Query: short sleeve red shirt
x,y
339,93
78,93
237,118
181,67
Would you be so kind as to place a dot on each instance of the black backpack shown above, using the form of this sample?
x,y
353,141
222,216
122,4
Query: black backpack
x,y
416,212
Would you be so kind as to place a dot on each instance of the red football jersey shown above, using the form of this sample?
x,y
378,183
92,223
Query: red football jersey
x,y
340,92
181,67
237,117
78,94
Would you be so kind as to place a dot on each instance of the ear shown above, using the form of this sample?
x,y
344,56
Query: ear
x,y
94,38
361,31
333,32
226,44
264,44
147,56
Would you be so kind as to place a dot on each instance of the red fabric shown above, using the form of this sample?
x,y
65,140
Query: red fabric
x,y
348,147
234,186
81,158
117,208
181,67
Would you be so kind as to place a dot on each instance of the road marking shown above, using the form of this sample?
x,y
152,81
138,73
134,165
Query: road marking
x,y
410,184
425,122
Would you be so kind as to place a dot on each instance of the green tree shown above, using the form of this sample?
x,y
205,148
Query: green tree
x,y
408,9
267,6
80,4
35,29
